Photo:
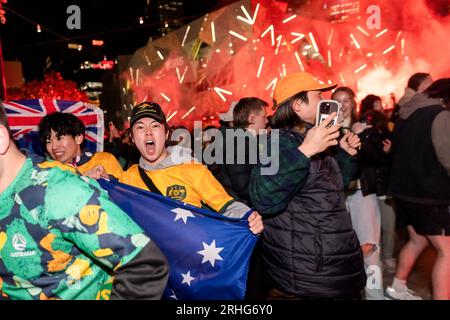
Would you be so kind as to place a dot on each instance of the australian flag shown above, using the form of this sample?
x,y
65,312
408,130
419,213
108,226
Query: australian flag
x,y
24,117
208,253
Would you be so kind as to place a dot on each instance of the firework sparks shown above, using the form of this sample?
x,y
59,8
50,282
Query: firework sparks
x,y
187,113
398,35
299,36
249,20
213,32
185,36
361,68
313,41
220,92
160,55
389,49
402,48
330,38
131,74
329,58
137,76
355,42
272,34
181,78
289,18
237,35
172,115
381,33
362,30
299,61
147,59
260,67
165,97
272,84
278,44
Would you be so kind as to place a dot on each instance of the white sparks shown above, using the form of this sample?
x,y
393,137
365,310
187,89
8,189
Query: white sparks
x,y
313,41
182,214
278,44
137,76
299,36
145,99
381,33
221,93
330,38
284,70
355,42
402,48
289,18
187,113
329,58
272,34
185,36
272,84
165,97
146,59
181,78
237,35
389,49
210,253
172,115
131,73
160,55
398,35
187,278
260,67
299,61
362,31
249,20
360,68
213,32
342,78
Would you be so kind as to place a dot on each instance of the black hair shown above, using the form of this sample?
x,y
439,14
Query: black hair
x,y
244,108
368,102
62,124
285,116
416,80
440,89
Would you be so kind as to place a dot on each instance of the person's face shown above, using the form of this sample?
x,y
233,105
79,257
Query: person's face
x,y
258,120
425,84
307,111
150,137
377,106
63,148
347,103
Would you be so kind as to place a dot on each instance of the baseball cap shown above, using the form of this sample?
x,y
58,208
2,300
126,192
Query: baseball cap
x,y
295,83
147,109
228,116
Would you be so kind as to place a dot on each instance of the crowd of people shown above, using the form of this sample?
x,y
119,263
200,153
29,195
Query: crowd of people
x,y
327,216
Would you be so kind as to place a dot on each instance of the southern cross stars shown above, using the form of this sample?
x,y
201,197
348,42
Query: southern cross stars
x,y
210,253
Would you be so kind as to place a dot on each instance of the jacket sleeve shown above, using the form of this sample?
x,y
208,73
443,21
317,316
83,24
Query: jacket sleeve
x,y
348,166
440,133
271,194
143,277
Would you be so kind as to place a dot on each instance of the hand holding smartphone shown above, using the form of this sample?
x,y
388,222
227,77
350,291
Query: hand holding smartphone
x,y
325,108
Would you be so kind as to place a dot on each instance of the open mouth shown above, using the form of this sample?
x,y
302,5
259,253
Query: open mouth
x,y
150,147
58,155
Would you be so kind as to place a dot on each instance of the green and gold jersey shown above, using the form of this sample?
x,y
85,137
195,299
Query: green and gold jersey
x,y
61,237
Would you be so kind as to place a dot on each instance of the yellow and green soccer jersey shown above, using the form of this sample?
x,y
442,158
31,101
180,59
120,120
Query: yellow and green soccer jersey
x,y
60,236
105,159
190,183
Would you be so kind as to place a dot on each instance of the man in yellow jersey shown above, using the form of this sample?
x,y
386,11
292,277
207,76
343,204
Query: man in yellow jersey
x,y
188,181
62,135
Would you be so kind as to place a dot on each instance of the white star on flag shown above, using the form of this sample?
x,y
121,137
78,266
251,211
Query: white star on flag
x,y
182,214
187,278
173,296
210,253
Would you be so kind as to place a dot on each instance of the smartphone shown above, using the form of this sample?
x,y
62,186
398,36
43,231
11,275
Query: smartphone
x,y
325,108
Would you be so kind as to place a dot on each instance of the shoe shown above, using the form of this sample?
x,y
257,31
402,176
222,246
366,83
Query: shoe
x,y
406,294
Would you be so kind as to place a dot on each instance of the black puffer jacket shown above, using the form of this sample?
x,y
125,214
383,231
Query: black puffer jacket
x,y
310,248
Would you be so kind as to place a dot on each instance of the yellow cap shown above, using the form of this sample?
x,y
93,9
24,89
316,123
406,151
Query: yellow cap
x,y
295,83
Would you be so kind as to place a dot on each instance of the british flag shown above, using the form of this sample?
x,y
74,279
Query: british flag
x,y
25,115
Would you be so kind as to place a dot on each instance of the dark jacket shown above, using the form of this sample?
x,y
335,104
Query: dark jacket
x,y
421,153
234,174
310,247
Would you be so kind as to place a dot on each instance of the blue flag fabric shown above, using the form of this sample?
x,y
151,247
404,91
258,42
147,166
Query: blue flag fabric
x,y
208,253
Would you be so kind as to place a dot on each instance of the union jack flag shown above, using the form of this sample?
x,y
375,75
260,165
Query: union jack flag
x,y
25,115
